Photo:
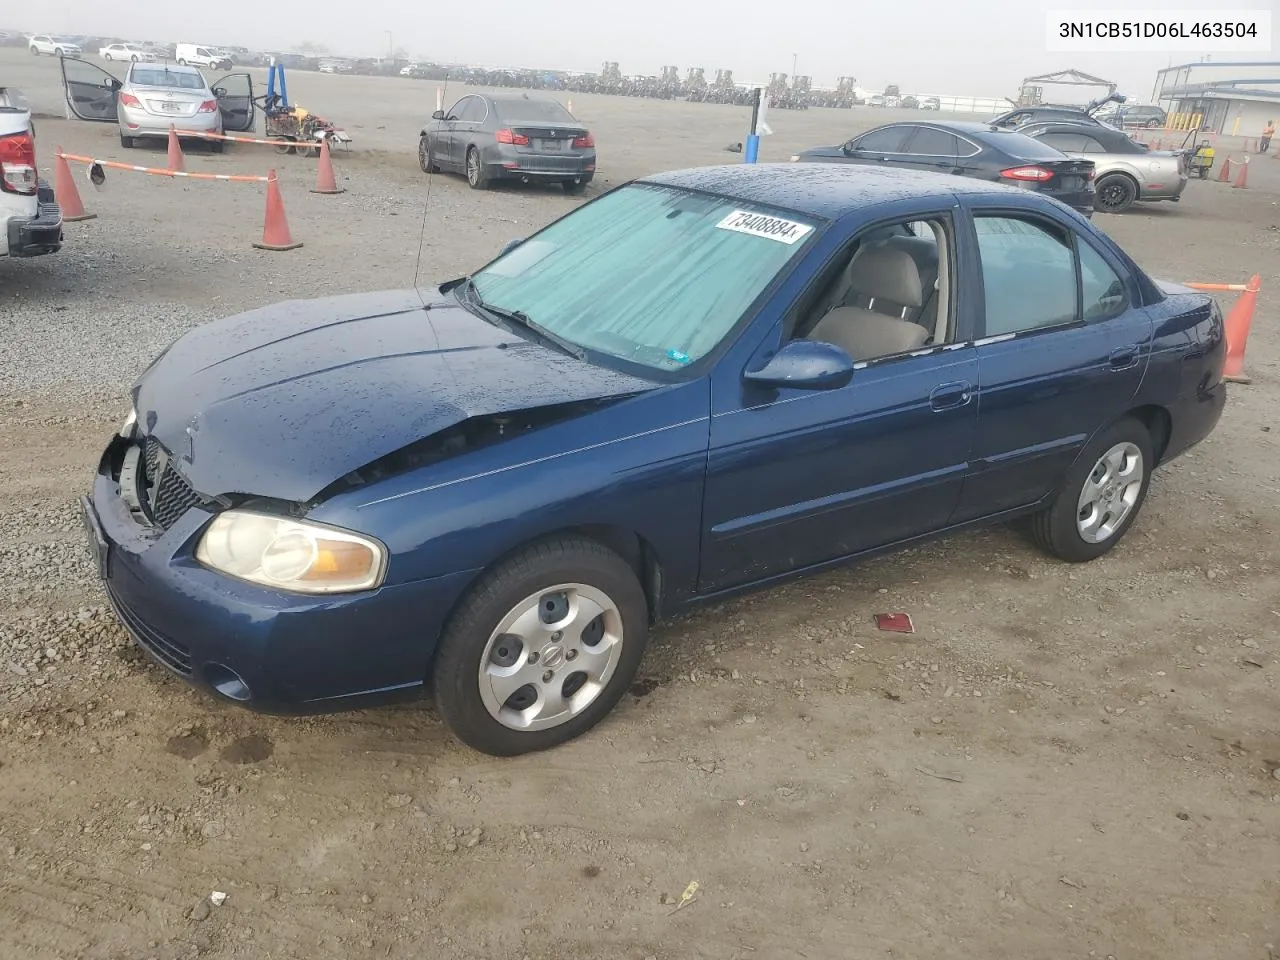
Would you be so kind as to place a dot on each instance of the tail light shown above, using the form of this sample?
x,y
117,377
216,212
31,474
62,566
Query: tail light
x,y
584,141
1027,174
18,164
209,106
129,100
511,137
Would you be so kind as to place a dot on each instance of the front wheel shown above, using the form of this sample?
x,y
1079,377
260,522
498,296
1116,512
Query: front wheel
x,y
1115,193
542,647
476,176
424,156
1101,496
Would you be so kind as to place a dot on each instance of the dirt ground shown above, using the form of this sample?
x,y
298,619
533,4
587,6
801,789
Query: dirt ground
x,y
1064,761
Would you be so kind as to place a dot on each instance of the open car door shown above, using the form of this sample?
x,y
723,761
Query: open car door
x,y
91,92
235,100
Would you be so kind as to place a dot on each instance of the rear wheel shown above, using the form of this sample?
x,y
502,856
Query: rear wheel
x,y
35,52
1115,193
541,648
182,62
1153,123
476,176
1101,496
217,146
126,141
57,51
574,186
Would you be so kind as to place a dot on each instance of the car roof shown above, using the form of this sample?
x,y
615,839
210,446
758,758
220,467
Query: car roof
x,y
517,98
825,190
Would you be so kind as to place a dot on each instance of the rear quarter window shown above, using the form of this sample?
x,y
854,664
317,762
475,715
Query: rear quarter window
x,y
1025,148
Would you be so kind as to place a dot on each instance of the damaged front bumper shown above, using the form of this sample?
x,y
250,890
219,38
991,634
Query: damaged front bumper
x,y
268,650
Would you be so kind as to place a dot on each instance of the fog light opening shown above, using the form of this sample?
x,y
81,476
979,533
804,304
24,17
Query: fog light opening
x,y
226,682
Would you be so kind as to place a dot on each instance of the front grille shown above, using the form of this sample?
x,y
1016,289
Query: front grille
x,y
165,649
169,495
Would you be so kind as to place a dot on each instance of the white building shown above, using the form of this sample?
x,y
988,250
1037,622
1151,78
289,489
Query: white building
x,y
1236,98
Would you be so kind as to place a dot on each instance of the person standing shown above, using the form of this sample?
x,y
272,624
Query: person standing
x,y
1268,132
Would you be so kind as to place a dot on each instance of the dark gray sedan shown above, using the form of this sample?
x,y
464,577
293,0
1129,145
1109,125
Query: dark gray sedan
x,y
509,136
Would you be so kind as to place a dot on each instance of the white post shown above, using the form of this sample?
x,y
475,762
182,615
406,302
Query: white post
x,y
439,99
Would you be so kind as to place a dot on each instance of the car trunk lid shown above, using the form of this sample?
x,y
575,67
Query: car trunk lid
x,y
546,137
164,102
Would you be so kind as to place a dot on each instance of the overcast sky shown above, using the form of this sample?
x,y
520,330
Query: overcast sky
x,y
956,47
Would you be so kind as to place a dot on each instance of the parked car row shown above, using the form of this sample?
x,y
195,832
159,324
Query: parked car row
x,y
1084,164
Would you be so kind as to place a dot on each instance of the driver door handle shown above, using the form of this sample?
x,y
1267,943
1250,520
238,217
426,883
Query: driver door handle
x,y
949,396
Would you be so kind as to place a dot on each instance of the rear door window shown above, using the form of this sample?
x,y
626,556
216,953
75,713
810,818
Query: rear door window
x,y
934,143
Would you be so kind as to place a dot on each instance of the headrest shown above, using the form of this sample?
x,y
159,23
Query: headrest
x,y
886,274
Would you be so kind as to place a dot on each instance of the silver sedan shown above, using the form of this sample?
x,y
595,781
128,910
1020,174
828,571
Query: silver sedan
x,y
157,95
1126,171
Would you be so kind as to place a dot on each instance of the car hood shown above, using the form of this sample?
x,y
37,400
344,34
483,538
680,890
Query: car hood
x,y
283,401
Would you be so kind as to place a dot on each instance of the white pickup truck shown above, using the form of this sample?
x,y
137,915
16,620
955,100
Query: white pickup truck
x,y
30,220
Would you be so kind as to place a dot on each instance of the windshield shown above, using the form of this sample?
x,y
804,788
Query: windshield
x,y
532,110
647,274
162,77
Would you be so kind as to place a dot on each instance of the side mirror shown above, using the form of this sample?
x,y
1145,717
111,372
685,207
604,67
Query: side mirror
x,y
805,365
219,91
510,245
849,148
438,115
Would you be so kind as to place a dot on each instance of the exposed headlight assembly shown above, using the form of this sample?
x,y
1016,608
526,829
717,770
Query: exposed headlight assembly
x,y
295,555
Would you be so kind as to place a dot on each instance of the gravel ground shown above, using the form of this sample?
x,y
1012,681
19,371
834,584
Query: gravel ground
x,y
1062,762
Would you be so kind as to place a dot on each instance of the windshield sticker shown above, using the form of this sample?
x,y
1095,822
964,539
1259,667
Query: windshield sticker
x,y
762,225
677,356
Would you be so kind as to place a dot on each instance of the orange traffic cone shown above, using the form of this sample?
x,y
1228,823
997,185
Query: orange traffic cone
x,y
65,192
325,180
275,228
1224,175
177,163
1242,180
1237,323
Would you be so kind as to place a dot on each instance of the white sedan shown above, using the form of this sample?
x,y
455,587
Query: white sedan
x,y
42,43
126,51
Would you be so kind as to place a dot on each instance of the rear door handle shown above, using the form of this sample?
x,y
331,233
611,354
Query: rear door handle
x,y
1124,358
948,396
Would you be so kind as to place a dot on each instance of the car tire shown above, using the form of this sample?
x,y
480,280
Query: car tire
x,y
574,187
57,51
182,63
1101,497
1114,193
476,176
555,583
35,52
134,58
1152,124
217,146
126,142
424,156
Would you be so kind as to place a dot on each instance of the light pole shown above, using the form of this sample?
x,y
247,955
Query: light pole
x,y
793,67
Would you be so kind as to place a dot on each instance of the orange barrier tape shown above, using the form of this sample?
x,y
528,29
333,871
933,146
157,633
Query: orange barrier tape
x,y
161,172
223,136
1230,287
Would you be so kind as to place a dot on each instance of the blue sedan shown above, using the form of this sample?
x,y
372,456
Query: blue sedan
x,y
698,383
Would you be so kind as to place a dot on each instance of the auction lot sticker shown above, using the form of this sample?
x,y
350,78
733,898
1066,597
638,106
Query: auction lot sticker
x,y
763,225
